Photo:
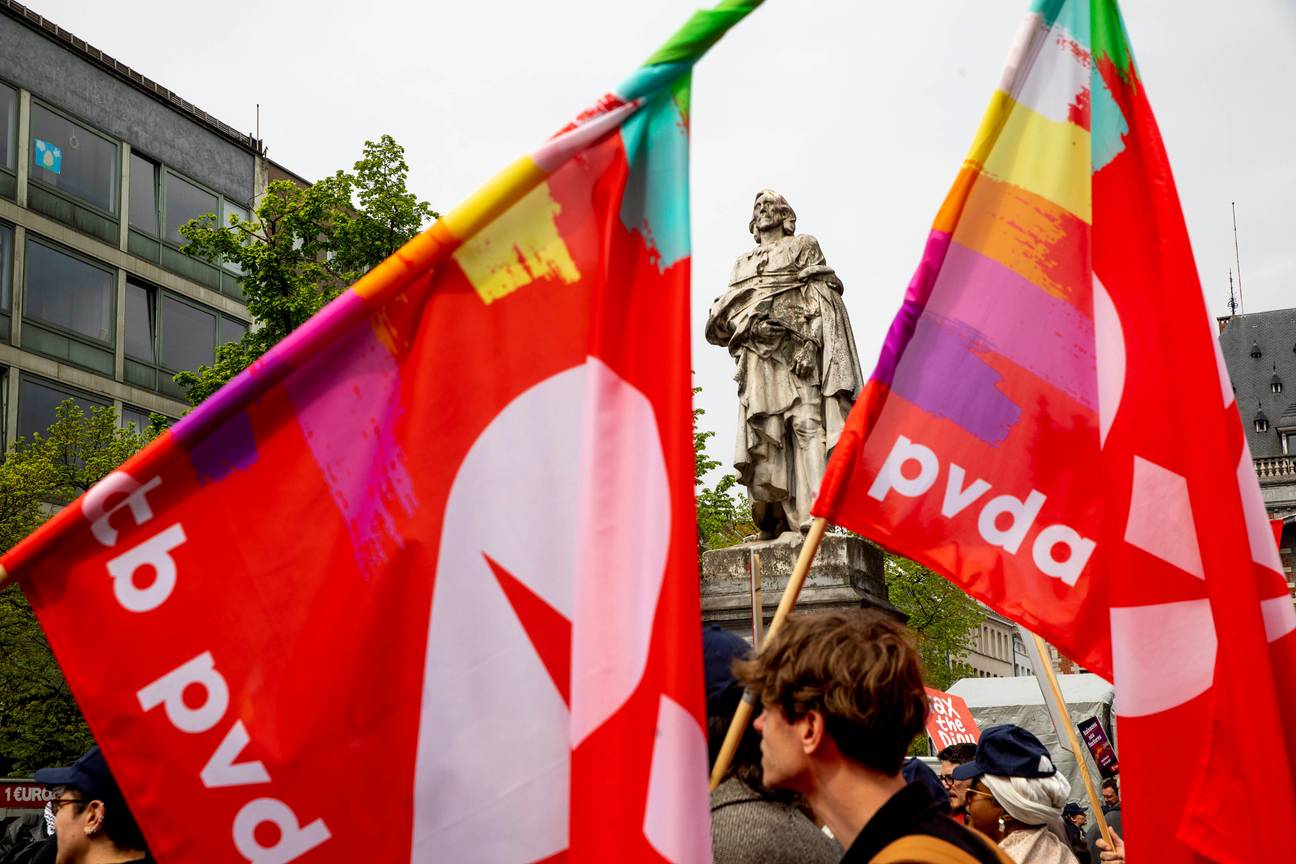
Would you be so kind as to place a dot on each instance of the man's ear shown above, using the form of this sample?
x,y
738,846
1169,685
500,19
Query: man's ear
x,y
813,732
94,816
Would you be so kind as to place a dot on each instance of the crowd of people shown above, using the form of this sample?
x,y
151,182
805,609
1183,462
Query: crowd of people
x,y
823,775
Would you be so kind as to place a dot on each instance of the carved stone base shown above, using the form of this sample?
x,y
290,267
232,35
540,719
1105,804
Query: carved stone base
x,y
846,574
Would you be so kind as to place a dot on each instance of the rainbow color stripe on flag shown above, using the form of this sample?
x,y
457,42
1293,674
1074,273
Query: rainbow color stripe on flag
x,y
1050,425
421,583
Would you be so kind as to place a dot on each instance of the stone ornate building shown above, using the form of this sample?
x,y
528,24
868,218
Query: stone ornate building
x,y
1260,351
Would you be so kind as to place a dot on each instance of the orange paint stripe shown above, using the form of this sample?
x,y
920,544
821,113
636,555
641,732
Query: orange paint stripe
x,y
948,216
1042,242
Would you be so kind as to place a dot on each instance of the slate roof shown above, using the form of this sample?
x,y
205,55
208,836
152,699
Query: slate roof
x,y
1275,335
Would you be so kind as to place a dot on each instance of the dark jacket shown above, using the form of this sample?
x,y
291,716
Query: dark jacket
x,y
746,829
913,810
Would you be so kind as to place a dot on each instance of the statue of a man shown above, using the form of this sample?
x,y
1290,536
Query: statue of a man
x,y
785,324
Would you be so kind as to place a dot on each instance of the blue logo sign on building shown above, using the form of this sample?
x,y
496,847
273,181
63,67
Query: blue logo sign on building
x,y
48,156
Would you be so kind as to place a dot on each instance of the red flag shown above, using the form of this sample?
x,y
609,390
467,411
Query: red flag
x,y
1052,427
421,584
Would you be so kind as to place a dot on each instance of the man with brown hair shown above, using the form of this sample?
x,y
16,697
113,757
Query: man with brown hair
x,y
843,698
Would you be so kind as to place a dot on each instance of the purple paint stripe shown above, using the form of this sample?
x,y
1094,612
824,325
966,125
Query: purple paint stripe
x,y
920,288
292,352
942,374
1012,317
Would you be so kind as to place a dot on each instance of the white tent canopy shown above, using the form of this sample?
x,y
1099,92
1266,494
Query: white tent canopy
x,y
1020,701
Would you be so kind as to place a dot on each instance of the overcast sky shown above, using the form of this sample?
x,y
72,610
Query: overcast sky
x,y
859,111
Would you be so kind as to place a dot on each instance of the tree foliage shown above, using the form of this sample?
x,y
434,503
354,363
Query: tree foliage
x,y
304,246
723,520
39,721
944,618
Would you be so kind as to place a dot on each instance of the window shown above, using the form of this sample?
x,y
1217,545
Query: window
x,y
188,335
6,269
8,128
1289,444
231,330
143,195
185,201
141,322
1261,424
37,401
72,159
69,293
229,209
165,334
137,417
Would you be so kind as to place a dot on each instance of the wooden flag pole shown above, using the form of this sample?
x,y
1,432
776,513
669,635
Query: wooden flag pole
x,y
745,708
1054,691
757,602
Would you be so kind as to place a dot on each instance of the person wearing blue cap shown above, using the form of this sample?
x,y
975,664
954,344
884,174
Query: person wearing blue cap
x,y
92,824
1017,796
1074,818
749,823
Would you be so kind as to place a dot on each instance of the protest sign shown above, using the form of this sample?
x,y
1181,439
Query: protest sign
x,y
1104,754
950,720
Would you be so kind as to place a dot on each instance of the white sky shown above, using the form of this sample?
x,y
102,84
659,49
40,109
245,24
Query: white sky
x,y
859,111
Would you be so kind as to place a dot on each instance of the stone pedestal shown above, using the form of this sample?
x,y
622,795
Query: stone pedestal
x,y
846,574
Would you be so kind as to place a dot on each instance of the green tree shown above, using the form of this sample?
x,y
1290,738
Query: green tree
x,y
39,721
304,246
944,618
723,520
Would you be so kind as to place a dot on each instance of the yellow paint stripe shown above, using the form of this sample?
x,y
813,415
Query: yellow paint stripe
x,y
520,246
1023,147
503,190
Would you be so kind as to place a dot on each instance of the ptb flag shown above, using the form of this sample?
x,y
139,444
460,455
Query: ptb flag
x,y
421,584
1051,426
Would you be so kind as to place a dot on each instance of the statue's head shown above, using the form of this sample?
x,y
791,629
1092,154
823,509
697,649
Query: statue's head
x,y
769,210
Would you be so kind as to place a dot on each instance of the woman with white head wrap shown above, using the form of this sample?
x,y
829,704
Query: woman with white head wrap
x,y
1017,796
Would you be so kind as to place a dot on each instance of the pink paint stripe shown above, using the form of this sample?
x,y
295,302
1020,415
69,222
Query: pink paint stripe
x,y
295,349
920,288
1014,318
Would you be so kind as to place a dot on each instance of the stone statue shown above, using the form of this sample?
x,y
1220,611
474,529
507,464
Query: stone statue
x,y
783,320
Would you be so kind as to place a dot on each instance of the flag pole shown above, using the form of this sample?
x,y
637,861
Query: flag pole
x,y
757,603
1061,716
745,708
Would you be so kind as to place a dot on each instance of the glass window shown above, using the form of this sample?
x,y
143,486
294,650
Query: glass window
x,y
72,159
8,128
143,195
6,265
137,417
188,335
69,293
37,401
141,322
185,201
231,330
228,210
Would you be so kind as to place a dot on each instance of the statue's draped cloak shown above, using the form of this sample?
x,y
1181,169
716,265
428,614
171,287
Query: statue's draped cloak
x,y
790,282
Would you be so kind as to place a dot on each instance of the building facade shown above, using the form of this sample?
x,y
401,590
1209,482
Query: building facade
x,y
994,651
99,168
1259,350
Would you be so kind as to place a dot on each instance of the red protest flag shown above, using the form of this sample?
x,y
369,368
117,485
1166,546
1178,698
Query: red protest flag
x,y
421,584
1014,437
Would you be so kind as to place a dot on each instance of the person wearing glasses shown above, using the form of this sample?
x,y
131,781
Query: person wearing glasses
x,y
92,824
950,758
1017,795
